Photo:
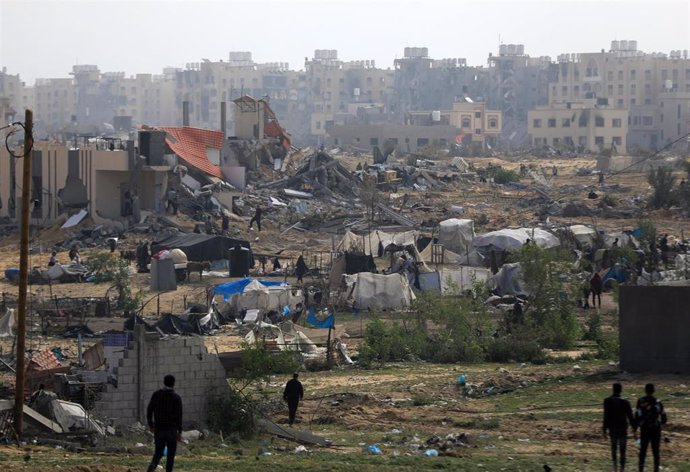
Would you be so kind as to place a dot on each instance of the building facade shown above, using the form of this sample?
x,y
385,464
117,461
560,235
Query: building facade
x,y
583,125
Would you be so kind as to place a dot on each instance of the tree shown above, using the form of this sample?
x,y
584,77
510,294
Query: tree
x,y
550,312
662,181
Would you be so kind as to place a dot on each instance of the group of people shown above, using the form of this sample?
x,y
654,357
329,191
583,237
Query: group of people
x,y
648,418
164,417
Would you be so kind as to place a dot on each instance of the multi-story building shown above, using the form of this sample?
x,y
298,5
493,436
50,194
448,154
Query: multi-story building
x,y
466,123
333,85
423,83
654,87
517,83
588,124
11,89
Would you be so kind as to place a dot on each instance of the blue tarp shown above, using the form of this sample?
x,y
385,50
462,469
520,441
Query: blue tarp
x,y
328,322
616,274
228,289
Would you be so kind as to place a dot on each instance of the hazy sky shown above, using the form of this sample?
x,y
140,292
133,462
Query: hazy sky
x,y
44,38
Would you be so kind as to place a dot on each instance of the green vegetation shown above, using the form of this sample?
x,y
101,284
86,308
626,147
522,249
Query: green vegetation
x,y
503,176
108,267
662,181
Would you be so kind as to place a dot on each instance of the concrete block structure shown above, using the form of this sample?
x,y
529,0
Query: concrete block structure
x,y
140,372
654,328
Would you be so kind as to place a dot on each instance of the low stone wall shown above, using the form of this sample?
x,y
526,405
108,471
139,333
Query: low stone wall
x,y
140,373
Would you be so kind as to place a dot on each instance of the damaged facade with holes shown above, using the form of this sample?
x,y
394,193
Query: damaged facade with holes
x,y
118,182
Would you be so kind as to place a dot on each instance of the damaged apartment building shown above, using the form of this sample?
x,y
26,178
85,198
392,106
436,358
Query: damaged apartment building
x,y
117,182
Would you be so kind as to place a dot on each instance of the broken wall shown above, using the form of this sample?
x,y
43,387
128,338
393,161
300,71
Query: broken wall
x,y
140,373
654,329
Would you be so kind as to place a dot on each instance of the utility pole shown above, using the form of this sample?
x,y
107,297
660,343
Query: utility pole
x,y
23,273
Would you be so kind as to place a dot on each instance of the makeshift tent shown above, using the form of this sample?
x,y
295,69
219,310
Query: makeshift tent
x,y
228,289
456,235
350,263
583,234
449,257
200,247
380,291
264,295
372,242
507,281
511,239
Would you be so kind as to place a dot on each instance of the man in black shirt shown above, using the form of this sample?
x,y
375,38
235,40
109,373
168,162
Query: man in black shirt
x,y
164,415
257,217
617,416
649,416
292,394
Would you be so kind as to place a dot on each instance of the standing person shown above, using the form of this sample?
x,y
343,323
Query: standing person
x,y
164,415
301,269
257,218
597,287
74,255
292,394
649,416
617,416
225,222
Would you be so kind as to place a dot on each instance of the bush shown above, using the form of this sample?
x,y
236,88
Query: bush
x,y
608,347
107,267
662,181
504,176
593,324
383,343
515,348
232,413
550,315
259,363
421,400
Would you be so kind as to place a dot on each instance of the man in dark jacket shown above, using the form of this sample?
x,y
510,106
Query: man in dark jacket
x,y
257,217
649,416
617,416
164,415
292,394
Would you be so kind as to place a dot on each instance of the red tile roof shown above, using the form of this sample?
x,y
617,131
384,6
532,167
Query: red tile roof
x,y
44,360
191,144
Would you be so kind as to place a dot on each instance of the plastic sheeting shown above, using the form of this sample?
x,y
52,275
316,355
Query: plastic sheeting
x,y
8,323
456,235
328,322
583,234
380,291
510,239
449,257
508,281
228,289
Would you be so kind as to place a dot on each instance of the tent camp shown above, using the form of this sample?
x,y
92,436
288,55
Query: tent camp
x,y
200,247
456,235
379,291
375,242
511,239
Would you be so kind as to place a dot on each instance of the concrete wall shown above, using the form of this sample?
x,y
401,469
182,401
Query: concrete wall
x,y
655,329
140,373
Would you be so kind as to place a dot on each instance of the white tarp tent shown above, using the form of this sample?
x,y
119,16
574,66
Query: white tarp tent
x,y
456,235
257,295
380,291
369,243
508,281
509,239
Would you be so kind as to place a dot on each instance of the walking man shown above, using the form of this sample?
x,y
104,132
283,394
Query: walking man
x,y
617,416
257,218
164,415
597,287
292,394
649,416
